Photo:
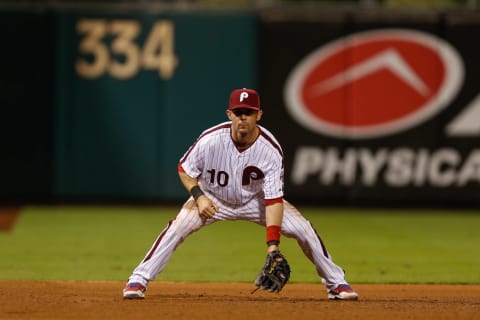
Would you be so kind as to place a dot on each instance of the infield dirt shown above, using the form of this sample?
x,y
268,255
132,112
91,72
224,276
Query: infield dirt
x,y
179,300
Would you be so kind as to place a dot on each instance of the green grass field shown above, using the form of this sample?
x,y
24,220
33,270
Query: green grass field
x,y
373,246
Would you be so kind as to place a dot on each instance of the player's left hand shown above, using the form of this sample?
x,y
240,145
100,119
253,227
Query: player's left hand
x,y
274,274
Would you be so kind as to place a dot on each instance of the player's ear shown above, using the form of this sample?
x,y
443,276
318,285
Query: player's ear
x,y
259,115
229,114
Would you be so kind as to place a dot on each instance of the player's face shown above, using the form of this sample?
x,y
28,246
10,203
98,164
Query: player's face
x,y
244,121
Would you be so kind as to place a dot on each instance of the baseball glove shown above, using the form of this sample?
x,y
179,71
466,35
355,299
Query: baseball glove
x,y
274,274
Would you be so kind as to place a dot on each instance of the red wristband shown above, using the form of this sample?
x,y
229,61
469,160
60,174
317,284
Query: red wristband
x,y
273,234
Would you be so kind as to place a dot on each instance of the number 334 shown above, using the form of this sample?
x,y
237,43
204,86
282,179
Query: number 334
x,y
156,54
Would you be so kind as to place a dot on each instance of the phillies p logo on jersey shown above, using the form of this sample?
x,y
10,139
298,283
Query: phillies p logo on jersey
x,y
374,83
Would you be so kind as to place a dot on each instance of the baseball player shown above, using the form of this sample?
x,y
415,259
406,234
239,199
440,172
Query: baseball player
x,y
234,171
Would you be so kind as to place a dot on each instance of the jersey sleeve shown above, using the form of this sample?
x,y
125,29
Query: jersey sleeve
x,y
273,184
193,160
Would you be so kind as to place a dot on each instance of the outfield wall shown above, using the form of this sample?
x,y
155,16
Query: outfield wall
x,y
27,106
371,107
135,90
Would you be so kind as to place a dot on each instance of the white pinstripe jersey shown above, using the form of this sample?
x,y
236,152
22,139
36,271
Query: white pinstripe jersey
x,y
232,176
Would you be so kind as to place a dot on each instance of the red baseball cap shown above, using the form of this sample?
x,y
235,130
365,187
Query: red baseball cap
x,y
244,98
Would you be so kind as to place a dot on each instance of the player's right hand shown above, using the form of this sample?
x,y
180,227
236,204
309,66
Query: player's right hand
x,y
206,207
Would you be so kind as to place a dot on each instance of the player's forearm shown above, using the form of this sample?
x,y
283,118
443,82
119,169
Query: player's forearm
x,y
274,214
187,181
191,184
206,207
274,218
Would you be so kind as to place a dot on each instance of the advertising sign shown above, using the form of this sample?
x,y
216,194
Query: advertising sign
x,y
377,113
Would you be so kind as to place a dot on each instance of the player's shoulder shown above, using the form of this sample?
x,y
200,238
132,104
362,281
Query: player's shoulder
x,y
270,139
219,129
265,131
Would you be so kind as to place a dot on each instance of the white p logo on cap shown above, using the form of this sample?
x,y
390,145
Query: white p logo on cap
x,y
243,95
